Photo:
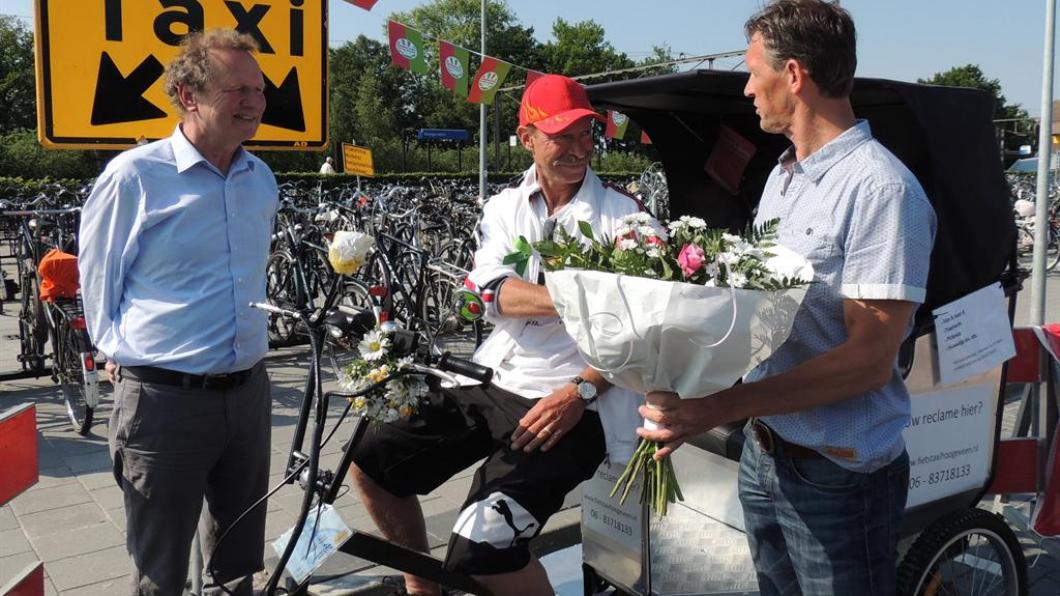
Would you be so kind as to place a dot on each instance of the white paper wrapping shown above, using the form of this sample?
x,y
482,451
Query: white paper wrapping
x,y
650,335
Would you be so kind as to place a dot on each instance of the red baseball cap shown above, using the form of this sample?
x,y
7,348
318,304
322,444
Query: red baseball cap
x,y
554,102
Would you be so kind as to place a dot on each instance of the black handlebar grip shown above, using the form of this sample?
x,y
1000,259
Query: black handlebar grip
x,y
450,363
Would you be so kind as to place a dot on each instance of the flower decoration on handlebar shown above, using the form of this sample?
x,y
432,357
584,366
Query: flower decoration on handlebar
x,y
348,251
710,306
399,396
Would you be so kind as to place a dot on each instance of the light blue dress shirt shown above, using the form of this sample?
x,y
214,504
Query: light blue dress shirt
x,y
171,253
861,217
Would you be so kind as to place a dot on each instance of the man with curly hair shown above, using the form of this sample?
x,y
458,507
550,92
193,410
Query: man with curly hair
x,y
174,239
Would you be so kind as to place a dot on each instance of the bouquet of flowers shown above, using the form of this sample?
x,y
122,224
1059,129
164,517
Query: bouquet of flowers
x,y
399,398
686,309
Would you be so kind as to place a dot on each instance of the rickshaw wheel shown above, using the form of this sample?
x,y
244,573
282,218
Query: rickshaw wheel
x,y
970,553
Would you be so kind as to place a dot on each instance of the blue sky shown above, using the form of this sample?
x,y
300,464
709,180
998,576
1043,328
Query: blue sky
x,y
898,39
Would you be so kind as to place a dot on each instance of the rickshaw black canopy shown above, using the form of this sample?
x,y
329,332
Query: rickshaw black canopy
x,y
945,135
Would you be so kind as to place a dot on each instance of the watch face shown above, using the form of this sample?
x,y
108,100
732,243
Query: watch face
x,y
586,390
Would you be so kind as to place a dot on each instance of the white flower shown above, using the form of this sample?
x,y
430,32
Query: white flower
x,y
374,345
627,244
655,253
623,230
694,222
737,279
404,363
729,258
637,218
711,268
710,283
348,251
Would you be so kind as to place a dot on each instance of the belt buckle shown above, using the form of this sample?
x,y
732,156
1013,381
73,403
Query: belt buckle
x,y
764,437
221,381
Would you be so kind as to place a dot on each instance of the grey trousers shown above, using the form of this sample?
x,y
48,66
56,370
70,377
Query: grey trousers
x,y
171,448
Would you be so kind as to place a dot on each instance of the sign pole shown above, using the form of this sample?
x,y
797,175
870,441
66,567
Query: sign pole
x,y
1045,158
482,119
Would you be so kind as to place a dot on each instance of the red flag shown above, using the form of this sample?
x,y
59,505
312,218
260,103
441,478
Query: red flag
x,y
406,47
616,125
488,80
453,62
644,138
365,4
531,76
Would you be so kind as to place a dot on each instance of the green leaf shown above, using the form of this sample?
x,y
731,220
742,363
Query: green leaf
x,y
514,257
586,229
523,246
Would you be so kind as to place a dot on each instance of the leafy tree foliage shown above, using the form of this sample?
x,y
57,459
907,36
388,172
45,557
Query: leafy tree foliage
x,y
17,92
970,75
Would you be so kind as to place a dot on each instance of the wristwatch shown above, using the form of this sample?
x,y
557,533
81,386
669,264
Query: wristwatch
x,y
586,390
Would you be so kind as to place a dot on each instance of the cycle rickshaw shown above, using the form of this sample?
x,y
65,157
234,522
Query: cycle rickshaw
x,y
946,137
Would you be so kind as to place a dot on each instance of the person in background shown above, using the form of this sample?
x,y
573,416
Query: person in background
x,y
328,168
174,239
824,472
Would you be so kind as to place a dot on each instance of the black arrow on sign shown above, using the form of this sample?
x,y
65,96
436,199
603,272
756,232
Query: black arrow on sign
x,y
283,104
119,98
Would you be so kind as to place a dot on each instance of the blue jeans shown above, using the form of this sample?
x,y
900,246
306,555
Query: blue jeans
x,y
816,528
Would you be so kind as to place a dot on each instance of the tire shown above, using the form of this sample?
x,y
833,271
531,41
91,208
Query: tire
x,y
354,295
32,324
281,289
1052,252
70,375
938,562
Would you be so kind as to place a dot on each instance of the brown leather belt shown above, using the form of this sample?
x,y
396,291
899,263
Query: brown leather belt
x,y
773,444
163,376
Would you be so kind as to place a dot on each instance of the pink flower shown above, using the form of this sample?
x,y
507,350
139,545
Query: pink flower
x,y
690,259
655,241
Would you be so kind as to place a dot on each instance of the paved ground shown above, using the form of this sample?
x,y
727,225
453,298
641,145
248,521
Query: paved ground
x,y
74,522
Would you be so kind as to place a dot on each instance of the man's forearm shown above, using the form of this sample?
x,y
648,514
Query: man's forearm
x,y
829,378
519,298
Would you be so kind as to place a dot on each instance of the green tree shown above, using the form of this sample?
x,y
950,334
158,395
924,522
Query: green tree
x,y
970,75
17,93
581,48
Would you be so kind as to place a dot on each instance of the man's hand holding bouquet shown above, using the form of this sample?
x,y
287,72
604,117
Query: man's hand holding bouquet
x,y
687,312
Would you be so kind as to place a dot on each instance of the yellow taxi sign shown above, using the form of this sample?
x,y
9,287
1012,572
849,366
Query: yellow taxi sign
x,y
100,68
357,160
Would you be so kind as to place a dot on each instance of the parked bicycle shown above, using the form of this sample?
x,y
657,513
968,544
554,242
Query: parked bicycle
x,y
50,309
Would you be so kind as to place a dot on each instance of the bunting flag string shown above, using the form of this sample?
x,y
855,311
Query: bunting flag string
x,y
616,125
365,4
454,63
406,47
488,80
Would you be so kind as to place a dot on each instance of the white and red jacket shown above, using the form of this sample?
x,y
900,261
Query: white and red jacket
x,y
531,357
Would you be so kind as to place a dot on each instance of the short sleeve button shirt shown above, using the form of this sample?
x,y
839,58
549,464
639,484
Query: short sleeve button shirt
x,y
863,220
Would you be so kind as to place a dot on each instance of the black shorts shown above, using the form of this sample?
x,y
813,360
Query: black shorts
x,y
513,493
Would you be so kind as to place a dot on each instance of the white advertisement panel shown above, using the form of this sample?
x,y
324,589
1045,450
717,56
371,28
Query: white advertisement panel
x,y
949,439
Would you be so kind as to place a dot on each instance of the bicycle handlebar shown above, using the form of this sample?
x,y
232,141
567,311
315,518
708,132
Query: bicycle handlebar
x,y
467,368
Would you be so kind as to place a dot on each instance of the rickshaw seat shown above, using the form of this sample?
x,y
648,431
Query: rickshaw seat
x,y
725,440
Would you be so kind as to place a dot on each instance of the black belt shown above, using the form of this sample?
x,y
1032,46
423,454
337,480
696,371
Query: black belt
x,y
773,444
162,376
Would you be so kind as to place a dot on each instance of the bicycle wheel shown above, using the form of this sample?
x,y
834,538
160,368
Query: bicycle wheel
x,y
281,290
76,377
1052,251
968,553
355,299
32,324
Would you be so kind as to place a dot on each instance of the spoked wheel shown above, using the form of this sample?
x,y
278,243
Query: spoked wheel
x,y
355,297
81,394
281,289
32,326
968,553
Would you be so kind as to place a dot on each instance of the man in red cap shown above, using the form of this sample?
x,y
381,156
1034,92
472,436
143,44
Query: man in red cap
x,y
539,426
